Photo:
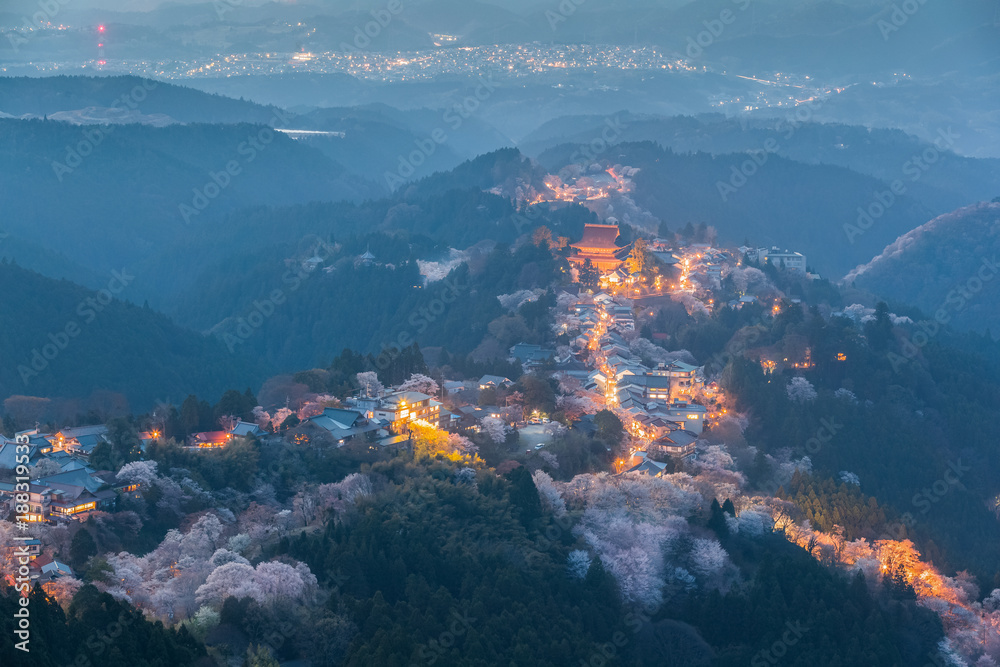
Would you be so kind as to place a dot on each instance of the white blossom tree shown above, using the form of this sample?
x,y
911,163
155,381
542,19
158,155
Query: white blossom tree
x,y
575,407
305,507
279,417
238,543
800,390
496,429
849,478
992,602
517,299
142,473
344,494
44,468
261,416
578,563
708,557
551,499
422,383
230,580
369,384
550,459
751,522
846,395
223,556
63,589
269,582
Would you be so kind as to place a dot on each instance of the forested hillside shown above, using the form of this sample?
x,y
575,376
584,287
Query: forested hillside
x,y
66,341
42,96
139,189
948,267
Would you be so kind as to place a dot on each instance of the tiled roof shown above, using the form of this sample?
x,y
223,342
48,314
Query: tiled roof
x,y
599,236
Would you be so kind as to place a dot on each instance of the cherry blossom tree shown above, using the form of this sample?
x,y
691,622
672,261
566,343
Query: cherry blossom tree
x,y
752,522
258,522
515,300
548,493
223,556
369,384
8,559
648,350
708,557
575,407
142,473
343,494
279,417
44,468
846,395
315,404
462,445
230,580
633,552
269,582
800,390
304,504
261,416
63,589
238,543
422,383
849,478
550,459
496,429
578,564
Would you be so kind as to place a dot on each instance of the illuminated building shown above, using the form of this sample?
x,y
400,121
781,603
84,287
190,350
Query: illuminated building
x,y
66,495
403,407
599,245
678,444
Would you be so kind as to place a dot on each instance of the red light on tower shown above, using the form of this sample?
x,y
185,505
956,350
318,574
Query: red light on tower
x,y
100,28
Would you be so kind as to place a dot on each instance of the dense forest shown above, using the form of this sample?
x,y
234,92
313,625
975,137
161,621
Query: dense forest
x,y
949,267
74,343
455,566
433,549
96,629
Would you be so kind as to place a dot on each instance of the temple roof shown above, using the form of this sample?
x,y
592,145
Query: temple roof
x,y
598,236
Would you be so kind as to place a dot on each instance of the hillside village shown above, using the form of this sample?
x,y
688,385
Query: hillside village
x,y
662,400
596,395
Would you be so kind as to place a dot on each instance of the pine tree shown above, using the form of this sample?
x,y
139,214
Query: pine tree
x,y
82,547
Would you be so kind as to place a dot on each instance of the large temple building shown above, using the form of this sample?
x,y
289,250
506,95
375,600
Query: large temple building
x,y
599,245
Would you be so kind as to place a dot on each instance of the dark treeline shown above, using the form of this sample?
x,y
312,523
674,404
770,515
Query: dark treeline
x,y
96,629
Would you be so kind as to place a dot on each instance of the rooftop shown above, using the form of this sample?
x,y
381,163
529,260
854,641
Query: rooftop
x,y
599,236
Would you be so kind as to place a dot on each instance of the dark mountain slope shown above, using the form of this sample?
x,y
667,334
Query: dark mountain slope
x,y
64,340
